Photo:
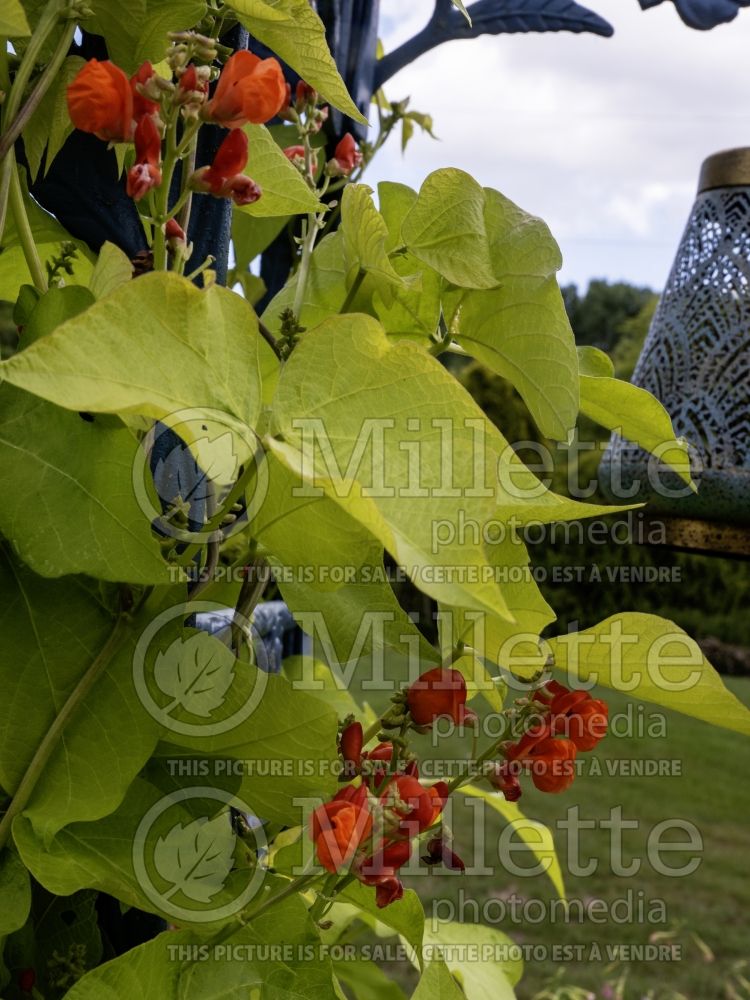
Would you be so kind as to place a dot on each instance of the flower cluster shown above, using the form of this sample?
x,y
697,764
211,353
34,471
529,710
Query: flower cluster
x,y
309,118
146,109
569,721
367,829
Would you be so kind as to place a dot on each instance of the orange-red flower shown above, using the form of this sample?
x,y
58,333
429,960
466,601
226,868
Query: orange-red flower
x,y
250,89
439,693
380,869
100,100
504,780
338,827
224,178
550,759
346,157
145,174
415,807
575,714
582,719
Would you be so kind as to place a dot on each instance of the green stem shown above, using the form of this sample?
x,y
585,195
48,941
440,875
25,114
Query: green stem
x,y
251,592
53,735
201,268
186,197
14,129
214,523
490,752
308,245
6,169
296,885
324,897
269,338
25,235
455,654
313,227
352,293
46,23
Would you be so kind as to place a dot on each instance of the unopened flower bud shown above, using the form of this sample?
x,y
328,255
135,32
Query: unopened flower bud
x,y
304,96
440,853
319,118
175,235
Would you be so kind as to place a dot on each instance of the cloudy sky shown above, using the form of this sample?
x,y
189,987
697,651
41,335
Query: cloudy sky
x,y
602,137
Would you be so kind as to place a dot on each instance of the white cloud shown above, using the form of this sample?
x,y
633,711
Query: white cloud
x,y
601,137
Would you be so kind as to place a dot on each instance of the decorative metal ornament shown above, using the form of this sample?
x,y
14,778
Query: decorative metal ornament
x,y
703,14
696,361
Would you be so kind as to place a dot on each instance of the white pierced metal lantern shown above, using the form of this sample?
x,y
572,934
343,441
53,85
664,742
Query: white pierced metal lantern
x,y
696,360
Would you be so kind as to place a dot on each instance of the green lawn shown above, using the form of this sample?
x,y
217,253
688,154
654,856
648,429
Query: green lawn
x,y
712,791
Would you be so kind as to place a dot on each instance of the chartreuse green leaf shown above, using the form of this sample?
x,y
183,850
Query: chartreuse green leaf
x,y
516,645
367,981
312,540
365,236
284,189
119,26
158,348
479,680
395,200
57,630
50,125
52,309
322,682
446,229
48,235
69,501
474,236
521,331
242,966
383,430
325,289
645,656
113,853
289,733
405,916
414,312
536,835
293,30
630,411
163,16
13,23
112,269
437,983
15,888
137,31
483,959
361,617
